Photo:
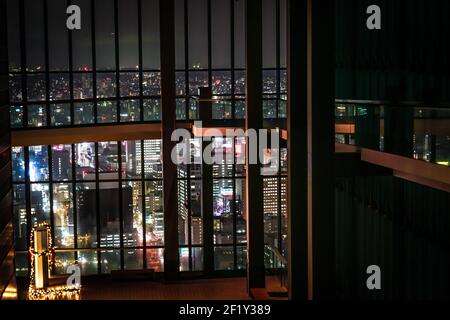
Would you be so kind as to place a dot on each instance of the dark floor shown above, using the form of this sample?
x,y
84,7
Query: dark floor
x,y
208,289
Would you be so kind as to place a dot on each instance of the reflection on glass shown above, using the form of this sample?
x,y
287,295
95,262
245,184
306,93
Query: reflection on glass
x,y
62,262
133,259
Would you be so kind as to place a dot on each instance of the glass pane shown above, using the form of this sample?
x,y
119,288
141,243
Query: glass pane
x,y
239,34
223,258
198,34
106,85
154,213
85,161
38,163
62,262
197,79
221,82
130,111
83,86
270,203
223,211
239,82
83,113
132,214
129,84
86,215
109,214
269,34
155,259
220,32
60,114
105,34
150,32
88,262
223,157
152,159
81,39
34,34
37,115
62,162
133,259
40,203
108,160
131,165
16,114
240,211
106,112
20,217
58,37
196,213
270,81
18,164
151,82
36,87
63,215
128,34
197,259
110,261
13,35
15,88
152,110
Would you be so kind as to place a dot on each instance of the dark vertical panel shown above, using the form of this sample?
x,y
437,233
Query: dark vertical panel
x,y
320,57
297,146
167,38
254,183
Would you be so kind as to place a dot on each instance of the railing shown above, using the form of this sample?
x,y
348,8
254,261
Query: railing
x,y
412,130
276,263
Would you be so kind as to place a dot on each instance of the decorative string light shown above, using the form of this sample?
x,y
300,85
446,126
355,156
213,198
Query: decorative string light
x,y
51,293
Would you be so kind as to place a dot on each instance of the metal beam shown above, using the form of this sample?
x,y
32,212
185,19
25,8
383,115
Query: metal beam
x,y
254,183
168,125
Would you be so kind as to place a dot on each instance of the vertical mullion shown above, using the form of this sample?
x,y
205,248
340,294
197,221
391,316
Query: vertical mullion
x,y
141,64
232,60
97,208
72,112
186,58
209,45
189,215
144,216
74,203
119,151
117,59
233,208
47,64
28,198
94,61
50,188
278,58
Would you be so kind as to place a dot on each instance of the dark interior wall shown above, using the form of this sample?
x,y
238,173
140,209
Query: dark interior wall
x,y
6,229
400,226
407,60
